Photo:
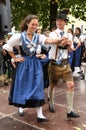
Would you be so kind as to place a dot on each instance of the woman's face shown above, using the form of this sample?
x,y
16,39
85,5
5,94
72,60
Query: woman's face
x,y
70,31
32,26
77,31
39,31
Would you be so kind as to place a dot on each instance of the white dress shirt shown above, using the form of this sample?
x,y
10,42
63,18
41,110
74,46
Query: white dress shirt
x,y
52,51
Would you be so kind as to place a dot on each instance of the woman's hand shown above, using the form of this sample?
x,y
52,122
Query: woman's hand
x,y
13,64
19,59
42,56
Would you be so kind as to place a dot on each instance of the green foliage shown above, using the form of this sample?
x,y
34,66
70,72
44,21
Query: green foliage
x,y
21,8
79,10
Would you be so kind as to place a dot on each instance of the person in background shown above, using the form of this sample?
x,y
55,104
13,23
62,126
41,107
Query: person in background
x,y
1,57
83,63
78,38
38,31
53,26
70,30
59,66
27,90
46,32
46,63
71,54
7,67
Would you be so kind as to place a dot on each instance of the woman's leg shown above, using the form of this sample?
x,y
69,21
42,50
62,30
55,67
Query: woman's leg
x,y
20,111
40,116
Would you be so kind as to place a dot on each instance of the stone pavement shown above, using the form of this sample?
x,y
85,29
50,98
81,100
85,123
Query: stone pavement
x,y
9,119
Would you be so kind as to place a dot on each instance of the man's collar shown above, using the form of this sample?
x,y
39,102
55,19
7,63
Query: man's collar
x,y
59,30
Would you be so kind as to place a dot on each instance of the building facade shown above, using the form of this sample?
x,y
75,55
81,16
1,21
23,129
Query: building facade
x,y
73,23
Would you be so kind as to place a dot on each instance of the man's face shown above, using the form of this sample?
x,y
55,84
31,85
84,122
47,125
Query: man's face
x,y
60,23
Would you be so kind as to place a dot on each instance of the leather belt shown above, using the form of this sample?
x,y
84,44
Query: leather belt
x,y
63,63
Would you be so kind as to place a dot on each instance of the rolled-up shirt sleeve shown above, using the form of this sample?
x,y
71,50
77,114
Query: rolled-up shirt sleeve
x,y
15,40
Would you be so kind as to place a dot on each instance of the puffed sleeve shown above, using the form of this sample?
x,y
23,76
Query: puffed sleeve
x,y
70,37
42,39
76,40
82,38
53,35
15,40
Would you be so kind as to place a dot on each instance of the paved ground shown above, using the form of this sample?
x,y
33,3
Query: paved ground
x,y
9,119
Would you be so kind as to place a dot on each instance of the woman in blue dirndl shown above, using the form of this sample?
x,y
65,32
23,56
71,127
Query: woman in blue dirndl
x,y
27,89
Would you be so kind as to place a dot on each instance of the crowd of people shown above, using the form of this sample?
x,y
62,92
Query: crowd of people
x,y
37,60
76,57
5,64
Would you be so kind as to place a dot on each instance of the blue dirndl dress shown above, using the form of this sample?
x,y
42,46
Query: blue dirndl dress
x,y
77,56
27,89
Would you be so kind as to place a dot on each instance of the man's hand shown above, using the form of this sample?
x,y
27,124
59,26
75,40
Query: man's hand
x,y
65,41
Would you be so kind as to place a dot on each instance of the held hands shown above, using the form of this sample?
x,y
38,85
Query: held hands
x,y
65,41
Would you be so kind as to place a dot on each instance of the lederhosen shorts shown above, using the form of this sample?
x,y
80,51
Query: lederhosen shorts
x,y
56,72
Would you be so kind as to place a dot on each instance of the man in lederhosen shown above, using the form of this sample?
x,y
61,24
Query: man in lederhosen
x,y
59,66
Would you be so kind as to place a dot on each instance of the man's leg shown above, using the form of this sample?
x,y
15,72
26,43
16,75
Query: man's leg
x,y
70,99
53,80
51,99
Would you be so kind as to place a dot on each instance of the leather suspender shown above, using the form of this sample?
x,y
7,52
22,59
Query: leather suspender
x,y
56,47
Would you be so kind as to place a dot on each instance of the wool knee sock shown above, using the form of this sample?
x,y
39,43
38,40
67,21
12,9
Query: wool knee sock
x,y
70,98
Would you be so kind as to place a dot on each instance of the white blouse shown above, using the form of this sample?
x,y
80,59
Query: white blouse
x,y
52,51
15,40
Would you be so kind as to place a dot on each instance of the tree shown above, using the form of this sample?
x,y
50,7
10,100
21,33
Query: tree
x,y
21,8
46,10
53,12
76,7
